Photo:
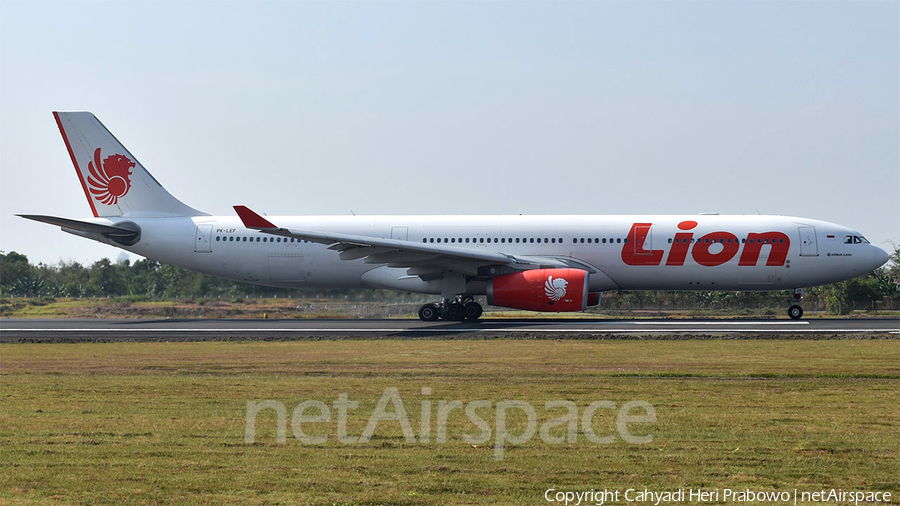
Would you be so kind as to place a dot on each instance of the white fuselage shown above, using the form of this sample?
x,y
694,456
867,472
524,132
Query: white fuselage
x,y
699,252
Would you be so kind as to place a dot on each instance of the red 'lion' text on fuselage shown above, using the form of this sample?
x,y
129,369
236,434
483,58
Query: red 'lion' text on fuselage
x,y
634,253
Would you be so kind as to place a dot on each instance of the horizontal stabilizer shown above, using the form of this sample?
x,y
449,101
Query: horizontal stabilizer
x,y
121,234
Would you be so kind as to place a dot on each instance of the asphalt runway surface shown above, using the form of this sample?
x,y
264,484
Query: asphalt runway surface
x,y
91,330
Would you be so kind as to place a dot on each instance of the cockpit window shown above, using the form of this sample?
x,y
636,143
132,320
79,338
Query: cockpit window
x,y
855,239
848,239
863,239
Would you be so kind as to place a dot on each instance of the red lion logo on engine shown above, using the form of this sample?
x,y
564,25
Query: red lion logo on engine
x,y
111,179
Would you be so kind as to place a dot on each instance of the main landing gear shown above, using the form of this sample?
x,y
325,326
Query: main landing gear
x,y
795,311
458,309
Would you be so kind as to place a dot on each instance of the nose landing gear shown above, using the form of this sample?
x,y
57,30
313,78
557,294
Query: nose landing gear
x,y
458,309
795,311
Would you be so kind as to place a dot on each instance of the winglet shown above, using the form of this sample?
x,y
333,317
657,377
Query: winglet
x,y
251,219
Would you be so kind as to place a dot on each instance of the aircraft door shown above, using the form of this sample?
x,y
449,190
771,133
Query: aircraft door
x,y
643,243
203,239
808,245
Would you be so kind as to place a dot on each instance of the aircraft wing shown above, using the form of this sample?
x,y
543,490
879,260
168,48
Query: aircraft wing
x,y
423,260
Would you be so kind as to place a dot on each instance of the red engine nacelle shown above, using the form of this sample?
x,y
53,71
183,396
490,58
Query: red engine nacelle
x,y
541,290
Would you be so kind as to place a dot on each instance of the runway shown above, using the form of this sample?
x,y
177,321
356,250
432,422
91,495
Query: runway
x,y
85,330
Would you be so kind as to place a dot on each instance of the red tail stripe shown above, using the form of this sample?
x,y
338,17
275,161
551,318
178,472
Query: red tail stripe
x,y
75,163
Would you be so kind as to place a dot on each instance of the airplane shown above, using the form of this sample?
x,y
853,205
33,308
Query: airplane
x,y
538,263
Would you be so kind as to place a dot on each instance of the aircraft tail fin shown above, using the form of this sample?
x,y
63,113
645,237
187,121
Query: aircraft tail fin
x,y
114,181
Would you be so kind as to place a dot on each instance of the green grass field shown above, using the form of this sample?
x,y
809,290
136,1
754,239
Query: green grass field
x,y
163,423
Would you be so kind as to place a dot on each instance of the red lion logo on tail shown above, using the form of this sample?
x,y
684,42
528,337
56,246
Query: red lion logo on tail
x,y
111,179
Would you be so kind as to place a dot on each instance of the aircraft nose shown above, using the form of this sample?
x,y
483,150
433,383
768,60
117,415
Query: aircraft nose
x,y
879,257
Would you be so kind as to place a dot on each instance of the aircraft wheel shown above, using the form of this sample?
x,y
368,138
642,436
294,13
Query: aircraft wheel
x,y
429,313
795,312
456,312
472,310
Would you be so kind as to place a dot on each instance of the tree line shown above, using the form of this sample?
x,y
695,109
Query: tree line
x,y
151,279
142,278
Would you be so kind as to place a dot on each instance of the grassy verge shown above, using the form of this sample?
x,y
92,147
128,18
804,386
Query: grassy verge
x,y
160,423
142,307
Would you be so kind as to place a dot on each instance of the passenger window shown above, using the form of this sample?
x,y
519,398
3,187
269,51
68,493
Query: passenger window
x,y
481,240
581,240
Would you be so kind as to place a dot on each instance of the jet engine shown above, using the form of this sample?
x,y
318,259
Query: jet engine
x,y
553,290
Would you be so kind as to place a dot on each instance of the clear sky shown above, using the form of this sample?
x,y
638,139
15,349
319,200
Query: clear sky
x,y
460,108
